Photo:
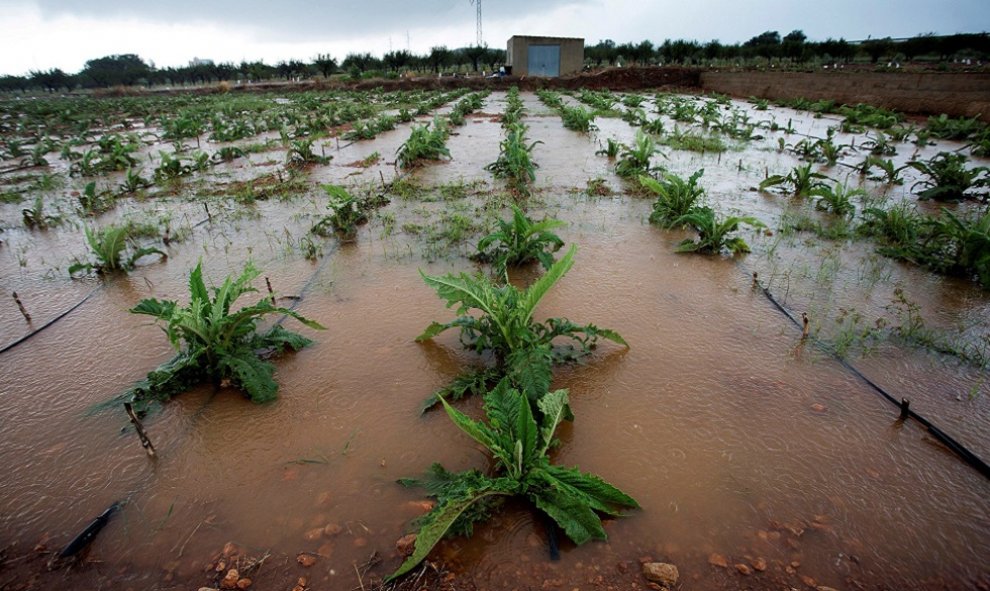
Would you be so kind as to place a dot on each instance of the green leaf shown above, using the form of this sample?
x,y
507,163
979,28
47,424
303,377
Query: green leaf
x,y
161,309
432,330
532,296
598,493
253,375
477,431
576,518
555,408
470,382
440,521
531,369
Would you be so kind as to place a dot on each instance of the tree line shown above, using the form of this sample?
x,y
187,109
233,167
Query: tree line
x,y
131,70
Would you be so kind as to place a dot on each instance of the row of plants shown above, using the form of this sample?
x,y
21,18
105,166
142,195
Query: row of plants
x,y
515,160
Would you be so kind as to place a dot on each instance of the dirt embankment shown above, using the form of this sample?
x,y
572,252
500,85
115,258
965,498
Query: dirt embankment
x,y
929,93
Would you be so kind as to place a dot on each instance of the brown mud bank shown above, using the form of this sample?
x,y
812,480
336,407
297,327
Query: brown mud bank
x,y
955,94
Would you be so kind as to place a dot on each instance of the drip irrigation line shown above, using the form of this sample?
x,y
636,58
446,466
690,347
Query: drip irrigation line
x,y
50,322
964,453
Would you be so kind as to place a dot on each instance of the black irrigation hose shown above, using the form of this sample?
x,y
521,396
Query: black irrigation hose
x,y
50,322
961,450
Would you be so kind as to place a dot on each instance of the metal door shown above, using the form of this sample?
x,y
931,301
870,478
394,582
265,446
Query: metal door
x,y
544,60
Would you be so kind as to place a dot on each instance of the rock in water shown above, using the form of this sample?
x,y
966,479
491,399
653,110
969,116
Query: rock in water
x,y
661,572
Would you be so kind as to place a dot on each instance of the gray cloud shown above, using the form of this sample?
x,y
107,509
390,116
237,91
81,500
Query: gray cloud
x,y
303,20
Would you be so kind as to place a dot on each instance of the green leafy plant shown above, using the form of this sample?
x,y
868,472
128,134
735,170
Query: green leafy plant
x,y
93,202
35,216
610,150
837,198
713,233
949,179
217,343
521,240
424,144
519,444
948,128
676,197
960,245
801,179
133,181
635,160
301,153
347,213
523,349
515,159
577,118
113,249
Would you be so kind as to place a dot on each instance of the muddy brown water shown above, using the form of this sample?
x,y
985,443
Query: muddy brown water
x,y
736,437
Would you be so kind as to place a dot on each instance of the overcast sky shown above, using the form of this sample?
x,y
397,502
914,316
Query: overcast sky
x,y
40,34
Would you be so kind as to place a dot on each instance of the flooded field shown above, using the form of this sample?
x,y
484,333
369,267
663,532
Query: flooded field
x,y
758,459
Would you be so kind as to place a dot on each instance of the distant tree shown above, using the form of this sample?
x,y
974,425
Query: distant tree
x,y
439,58
840,51
13,83
475,54
325,64
115,70
51,80
644,52
766,45
878,48
604,51
396,61
361,61
793,45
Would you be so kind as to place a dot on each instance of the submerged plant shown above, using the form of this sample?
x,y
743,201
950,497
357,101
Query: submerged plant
x,y
713,233
837,198
424,144
109,247
216,343
948,177
346,214
523,348
577,118
515,159
519,444
635,160
801,179
521,240
676,197
610,150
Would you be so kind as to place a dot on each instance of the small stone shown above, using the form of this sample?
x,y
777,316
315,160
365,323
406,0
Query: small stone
x,y
661,572
230,580
298,588
244,583
332,529
313,534
760,564
405,545
718,560
743,569
420,506
306,560
360,542
789,570
302,581
207,589
323,498
325,550
824,588
229,549
657,587
221,566
818,407
808,581
795,564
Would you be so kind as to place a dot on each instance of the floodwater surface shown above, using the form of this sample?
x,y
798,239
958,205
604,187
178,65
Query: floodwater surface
x,y
742,442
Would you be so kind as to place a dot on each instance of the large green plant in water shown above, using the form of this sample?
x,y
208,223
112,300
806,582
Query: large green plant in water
x,y
519,446
216,343
523,348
